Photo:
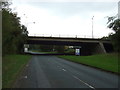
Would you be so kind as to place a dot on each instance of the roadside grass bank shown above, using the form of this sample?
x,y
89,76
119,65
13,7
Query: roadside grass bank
x,y
11,68
107,62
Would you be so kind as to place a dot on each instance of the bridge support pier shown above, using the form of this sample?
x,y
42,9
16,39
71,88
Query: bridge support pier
x,y
99,49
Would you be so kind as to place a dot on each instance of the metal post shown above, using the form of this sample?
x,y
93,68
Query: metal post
x,y
119,10
76,36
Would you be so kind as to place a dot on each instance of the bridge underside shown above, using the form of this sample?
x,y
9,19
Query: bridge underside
x,y
88,48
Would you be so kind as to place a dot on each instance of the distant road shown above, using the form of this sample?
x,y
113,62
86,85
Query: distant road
x,y
53,72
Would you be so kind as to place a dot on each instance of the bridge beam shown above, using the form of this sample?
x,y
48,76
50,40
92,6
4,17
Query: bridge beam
x,y
89,46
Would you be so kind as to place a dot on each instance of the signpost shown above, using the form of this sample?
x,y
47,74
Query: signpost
x,y
77,50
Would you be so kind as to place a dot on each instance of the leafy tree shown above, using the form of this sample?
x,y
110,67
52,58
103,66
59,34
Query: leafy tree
x,y
114,24
14,34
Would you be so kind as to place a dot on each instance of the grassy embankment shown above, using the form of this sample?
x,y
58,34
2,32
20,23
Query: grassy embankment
x,y
108,62
12,66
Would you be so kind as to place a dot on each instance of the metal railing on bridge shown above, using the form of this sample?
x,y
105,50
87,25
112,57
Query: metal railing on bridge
x,y
64,36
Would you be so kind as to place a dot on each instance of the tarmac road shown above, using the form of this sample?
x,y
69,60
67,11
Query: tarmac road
x,y
54,72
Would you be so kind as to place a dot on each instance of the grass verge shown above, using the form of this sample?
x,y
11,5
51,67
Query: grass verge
x,y
108,62
12,65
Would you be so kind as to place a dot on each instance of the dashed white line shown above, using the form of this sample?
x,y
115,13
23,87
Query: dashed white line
x,y
84,82
63,69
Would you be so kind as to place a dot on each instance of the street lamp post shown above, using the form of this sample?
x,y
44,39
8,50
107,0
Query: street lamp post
x,y
92,27
119,10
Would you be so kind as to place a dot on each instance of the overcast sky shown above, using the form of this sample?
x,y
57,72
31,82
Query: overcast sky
x,y
70,18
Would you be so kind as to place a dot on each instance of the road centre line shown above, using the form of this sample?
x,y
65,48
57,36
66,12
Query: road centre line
x,y
76,77
63,69
84,82
80,80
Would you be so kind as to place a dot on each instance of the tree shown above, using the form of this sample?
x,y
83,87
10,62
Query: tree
x,y
14,34
114,24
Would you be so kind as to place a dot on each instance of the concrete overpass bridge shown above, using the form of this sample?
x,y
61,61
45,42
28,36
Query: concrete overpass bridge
x,y
88,46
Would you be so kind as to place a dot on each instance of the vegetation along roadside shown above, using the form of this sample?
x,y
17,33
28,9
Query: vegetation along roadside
x,y
107,62
12,65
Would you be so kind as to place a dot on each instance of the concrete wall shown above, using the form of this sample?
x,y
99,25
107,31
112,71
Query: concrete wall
x,y
99,48
93,48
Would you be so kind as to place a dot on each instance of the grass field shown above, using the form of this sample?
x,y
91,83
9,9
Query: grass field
x,y
11,67
107,62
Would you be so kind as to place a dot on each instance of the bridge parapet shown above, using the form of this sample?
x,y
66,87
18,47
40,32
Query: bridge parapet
x,y
64,36
63,39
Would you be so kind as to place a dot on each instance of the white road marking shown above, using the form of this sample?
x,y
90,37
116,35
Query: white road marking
x,y
63,69
84,82
25,77
78,78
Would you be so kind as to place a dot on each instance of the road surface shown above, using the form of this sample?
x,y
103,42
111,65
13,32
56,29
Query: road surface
x,y
54,72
